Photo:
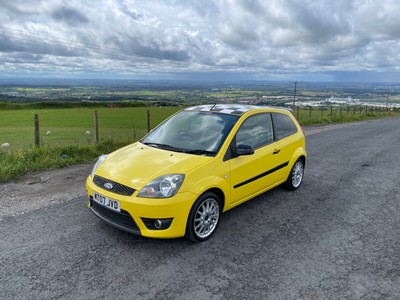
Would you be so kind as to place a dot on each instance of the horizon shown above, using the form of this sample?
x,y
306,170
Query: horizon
x,y
43,81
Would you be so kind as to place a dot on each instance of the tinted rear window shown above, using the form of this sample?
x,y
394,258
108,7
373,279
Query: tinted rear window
x,y
256,131
283,125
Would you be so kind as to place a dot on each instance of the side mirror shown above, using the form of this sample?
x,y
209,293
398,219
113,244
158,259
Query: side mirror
x,y
244,150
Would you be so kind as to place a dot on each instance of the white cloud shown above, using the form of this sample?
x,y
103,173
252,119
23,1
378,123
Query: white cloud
x,y
160,36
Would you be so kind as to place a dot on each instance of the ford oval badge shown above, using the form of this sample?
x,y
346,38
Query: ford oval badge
x,y
108,185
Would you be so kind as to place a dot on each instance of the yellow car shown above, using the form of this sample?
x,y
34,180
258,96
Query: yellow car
x,y
200,162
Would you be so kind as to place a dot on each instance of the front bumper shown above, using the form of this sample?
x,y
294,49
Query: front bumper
x,y
122,220
135,211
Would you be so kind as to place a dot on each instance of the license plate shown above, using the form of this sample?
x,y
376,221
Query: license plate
x,y
106,202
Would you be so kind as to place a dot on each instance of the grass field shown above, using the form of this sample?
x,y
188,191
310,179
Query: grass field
x,y
68,126
68,143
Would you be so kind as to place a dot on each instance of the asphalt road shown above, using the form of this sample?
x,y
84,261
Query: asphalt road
x,y
337,237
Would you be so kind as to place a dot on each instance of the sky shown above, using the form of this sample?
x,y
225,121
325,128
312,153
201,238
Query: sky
x,y
309,40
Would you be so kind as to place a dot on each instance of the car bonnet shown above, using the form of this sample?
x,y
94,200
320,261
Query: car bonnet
x,y
136,165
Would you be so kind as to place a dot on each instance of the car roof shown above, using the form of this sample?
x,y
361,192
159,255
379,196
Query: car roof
x,y
232,109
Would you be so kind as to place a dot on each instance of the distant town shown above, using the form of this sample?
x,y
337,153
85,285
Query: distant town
x,y
178,93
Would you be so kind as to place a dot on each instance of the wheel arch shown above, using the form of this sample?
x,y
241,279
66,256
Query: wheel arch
x,y
213,184
220,194
300,153
303,158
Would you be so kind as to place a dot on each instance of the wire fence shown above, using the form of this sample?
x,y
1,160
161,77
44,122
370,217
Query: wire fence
x,y
92,137
79,126
335,114
65,127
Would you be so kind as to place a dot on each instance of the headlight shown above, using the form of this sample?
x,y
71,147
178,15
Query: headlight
x,y
98,163
163,187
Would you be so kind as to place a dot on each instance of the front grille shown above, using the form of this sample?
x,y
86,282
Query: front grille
x,y
122,220
116,187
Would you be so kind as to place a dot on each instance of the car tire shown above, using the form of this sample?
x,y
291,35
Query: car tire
x,y
203,217
296,175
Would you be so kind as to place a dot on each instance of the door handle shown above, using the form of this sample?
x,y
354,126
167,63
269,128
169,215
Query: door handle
x,y
276,151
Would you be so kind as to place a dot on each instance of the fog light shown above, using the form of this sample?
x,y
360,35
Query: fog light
x,y
157,224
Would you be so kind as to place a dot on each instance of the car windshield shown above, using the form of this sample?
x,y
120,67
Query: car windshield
x,y
195,132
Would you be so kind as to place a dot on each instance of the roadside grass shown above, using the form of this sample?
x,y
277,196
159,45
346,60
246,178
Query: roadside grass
x,y
14,164
67,143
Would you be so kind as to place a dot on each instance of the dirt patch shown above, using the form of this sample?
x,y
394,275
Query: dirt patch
x,y
39,189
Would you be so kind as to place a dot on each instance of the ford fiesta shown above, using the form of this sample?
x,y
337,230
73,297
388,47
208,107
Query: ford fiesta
x,y
200,162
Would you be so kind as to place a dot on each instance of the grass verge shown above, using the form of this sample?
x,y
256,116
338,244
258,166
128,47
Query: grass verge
x,y
16,163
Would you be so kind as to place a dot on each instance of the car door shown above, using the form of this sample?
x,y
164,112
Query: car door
x,y
260,170
285,136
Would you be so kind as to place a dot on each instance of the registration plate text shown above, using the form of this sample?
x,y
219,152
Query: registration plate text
x,y
106,202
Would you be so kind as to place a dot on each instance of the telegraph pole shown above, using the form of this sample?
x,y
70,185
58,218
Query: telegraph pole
x,y
294,94
387,102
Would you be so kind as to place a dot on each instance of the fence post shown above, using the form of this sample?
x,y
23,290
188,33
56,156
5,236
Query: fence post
x,y
298,111
309,114
96,126
37,131
148,120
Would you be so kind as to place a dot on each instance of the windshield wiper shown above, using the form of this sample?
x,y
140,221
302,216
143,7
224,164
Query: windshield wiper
x,y
163,146
172,148
200,152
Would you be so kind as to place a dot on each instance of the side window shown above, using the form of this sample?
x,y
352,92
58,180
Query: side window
x,y
256,131
283,125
